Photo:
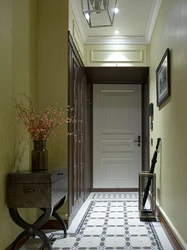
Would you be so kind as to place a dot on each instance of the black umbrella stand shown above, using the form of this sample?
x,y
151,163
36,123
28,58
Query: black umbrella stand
x,y
149,187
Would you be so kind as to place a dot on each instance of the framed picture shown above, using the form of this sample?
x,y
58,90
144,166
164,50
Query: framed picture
x,y
163,79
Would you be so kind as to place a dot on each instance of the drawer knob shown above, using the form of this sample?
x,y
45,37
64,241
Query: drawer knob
x,y
61,174
29,190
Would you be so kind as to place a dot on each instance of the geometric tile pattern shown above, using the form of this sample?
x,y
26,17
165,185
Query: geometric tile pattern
x,y
110,221
112,225
118,196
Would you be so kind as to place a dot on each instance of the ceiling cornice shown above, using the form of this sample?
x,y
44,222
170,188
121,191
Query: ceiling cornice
x,y
152,19
115,40
120,39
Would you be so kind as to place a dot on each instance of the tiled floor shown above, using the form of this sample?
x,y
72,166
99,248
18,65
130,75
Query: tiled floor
x,y
109,221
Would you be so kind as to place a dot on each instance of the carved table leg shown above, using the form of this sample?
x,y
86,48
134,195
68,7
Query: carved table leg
x,y
61,223
44,238
16,241
57,216
31,229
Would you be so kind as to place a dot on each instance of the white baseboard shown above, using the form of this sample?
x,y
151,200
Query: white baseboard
x,y
173,229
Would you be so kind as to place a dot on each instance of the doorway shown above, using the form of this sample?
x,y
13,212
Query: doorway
x,y
124,76
116,135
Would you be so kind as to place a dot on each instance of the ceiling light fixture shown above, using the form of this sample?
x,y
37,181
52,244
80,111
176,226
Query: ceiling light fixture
x,y
116,10
116,32
99,13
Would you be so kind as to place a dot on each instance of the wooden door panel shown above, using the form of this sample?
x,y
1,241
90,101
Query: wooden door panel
x,y
117,119
75,184
77,151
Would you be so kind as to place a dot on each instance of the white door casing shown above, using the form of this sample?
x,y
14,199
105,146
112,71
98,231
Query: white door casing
x,y
116,125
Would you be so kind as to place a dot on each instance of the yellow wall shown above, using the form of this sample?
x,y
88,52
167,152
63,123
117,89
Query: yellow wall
x,y
53,73
16,76
22,40
170,120
53,69
23,54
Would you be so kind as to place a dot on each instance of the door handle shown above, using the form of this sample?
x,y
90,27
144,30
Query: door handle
x,y
138,140
29,190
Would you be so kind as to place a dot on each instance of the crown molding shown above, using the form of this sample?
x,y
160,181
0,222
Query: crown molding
x,y
115,40
152,19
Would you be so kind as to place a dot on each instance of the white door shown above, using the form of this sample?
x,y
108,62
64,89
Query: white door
x,y
116,127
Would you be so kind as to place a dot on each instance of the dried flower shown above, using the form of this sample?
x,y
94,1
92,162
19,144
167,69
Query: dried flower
x,y
41,125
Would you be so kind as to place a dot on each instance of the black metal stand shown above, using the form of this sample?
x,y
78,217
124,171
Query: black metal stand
x,y
57,216
147,210
34,229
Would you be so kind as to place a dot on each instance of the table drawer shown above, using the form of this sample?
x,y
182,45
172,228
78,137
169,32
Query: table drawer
x,y
29,195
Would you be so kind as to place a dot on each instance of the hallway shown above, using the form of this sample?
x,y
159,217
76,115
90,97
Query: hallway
x,y
108,221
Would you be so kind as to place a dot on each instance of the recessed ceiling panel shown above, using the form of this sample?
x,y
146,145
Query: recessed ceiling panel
x,y
134,21
131,20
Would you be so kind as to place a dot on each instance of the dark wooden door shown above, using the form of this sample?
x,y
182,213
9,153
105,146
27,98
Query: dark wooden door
x,y
78,153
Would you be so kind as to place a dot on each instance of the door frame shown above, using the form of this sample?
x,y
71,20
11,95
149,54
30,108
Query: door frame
x,y
123,75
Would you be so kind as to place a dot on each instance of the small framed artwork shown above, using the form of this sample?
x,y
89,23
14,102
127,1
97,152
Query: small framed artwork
x,y
163,78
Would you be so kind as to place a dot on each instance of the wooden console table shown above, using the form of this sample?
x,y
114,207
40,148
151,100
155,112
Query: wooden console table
x,y
46,190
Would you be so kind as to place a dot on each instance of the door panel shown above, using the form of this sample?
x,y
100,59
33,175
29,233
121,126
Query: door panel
x,y
113,120
76,164
79,146
116,125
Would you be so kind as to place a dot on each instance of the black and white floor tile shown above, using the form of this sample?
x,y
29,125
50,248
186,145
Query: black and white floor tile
x,y
108,221
116,196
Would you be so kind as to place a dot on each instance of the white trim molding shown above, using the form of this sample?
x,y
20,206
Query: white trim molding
x,y
173,229
116,55
82,30
101,56
152,19
115,40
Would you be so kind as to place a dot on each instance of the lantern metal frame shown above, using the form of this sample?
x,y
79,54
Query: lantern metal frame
x,y
91,8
